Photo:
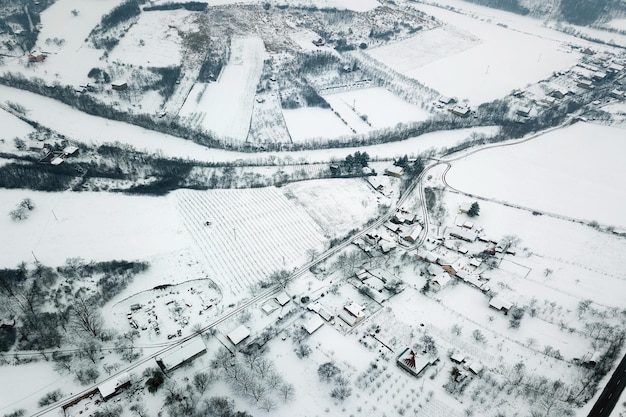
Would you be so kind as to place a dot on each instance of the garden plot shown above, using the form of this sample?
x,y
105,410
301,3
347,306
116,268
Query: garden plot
x,y
93,226
374,108
426,46
337,205
314,123
577,171
225,107
503,61
144,46
250,234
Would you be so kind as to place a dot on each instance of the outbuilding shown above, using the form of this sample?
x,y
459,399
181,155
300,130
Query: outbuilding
x,y
114,386
181,354
239,335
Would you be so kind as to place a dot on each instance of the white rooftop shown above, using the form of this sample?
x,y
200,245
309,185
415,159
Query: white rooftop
x,y
237,335
282,298
182,353
313,323
107,388
499,303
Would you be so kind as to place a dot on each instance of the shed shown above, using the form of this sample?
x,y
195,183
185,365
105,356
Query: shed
x,y
586,84
119,85
465,207
523,111
457,357
57,160
114,385
70,150
239,334
181,354
394,171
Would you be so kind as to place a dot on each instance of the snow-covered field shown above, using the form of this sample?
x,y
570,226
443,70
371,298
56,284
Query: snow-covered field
x,y
309,123
225,107
142,45
93,226
374,108
252,233
426,46
577,171
337,205
12,127
504,60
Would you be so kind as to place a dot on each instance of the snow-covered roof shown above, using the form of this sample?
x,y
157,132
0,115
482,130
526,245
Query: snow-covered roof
x,y
442,279
465,207
237,335
475,262
499,303
182,353
269,307
413,362
470,278
414,234
457,357
394,170
313,323
57,161
109,387
463,234
282,298
70,150
355,309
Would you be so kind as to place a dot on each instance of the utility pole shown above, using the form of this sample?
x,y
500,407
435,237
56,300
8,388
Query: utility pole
x,y
33,253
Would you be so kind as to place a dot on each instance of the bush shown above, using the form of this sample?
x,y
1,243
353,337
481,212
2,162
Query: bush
x,y
155,381
50,398
120,14
8,336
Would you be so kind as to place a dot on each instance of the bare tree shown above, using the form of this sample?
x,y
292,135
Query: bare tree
x,y
268,404
202,381
287,392
86,317
280,277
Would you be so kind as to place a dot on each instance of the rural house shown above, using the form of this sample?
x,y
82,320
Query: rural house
x,y
119,85
394,171
413,363
114,386
500,304
238,335
181,354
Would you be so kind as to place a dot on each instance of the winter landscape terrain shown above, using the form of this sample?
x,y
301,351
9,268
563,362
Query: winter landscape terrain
x,y
312,208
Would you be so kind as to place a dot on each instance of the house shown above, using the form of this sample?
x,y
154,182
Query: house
x,y
413,363
114,385
181,354
394,171
523,111
558,93
414,234
393,227
475,262
588,51
352,314
403,217
238,335
427,256
135,307
440,281
463,234
319,42
457,357
461,111
119,85
386,246
614,67
282,298
500,304
470,278
321,310
618,94
549,100
269,307
475,368
468,225
7,324
585,84
446,100
598,75
36,57
37,146
313,323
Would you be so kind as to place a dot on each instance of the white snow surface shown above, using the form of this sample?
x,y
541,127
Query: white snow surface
x,y
12,127
225,107
93,226
576,171
308,123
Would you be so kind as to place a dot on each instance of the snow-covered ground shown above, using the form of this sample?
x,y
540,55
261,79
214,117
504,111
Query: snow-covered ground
x,y
577,171
250,234
225,107
68,62
93,226
142,45
12,127
308,123
374,108
504,60
337,205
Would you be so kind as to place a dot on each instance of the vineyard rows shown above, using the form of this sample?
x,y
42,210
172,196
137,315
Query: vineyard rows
x,y
251,234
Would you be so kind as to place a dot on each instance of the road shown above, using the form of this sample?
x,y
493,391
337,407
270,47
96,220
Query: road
x,y
611,393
